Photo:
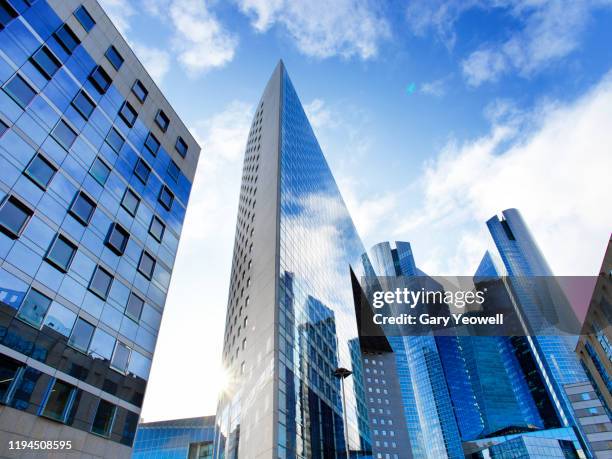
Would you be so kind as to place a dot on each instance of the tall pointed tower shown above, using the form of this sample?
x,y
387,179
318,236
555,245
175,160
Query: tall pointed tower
x,y
291,319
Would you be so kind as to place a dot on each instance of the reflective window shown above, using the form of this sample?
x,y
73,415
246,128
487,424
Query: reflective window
x,y
81,335
64,134
100,79
140,91
115,140
152,144
121,357
3,127
66,38
103,421
84,105
181,146
162,120
130,202
60,319
128,113
173,171
82,208
61,252
114,57
100,282
40,171
14,215
142,170
134,306
166,197
20,91
7,13
157,228
59,401
146,265
84,18
46,62
117,238
100,171
34,307
102,344
8,372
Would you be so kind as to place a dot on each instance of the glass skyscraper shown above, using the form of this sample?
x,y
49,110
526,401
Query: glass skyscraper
x,y
96,175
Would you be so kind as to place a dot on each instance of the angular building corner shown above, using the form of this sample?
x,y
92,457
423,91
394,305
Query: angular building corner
x,y
97,171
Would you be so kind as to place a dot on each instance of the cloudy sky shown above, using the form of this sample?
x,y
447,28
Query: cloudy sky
x,y
434,116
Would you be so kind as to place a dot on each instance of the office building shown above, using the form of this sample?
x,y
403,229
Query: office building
x,y
190,438
96,175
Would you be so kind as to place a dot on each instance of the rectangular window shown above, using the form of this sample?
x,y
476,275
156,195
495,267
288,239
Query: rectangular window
x,y
181,146
34,307
140,91
82,208
115,140
100,171
100,79
146,265
20,91
166,197
64,134
134,306
9,370
84,105
173,171
103,421
66,38
102,344
162,120
46,62
3,127
100,282
121,357
152,144
84,18
128,114
7,14
117,238
40,171
81,335
61,252
14,215
142,170
130,202
59,401
114,57
157,228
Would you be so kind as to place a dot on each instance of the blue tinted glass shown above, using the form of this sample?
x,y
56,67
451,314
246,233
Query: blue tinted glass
x,y
114,57
128,113
64,134
34,307
117,238
3,127
139,365
173,171
130,202
181,146
7,13
100,79
115,140
152,144
60,319
83,104
102,344
46,62
142,171
100,282
120,357
157,229
146,265
84,18
140,91
100,171
66,38
134,306
82,208
162,120
61,253
103,421
40,171
20,91
13,216
166,197
81,335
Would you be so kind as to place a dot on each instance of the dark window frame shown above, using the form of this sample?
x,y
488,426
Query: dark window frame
x,y
101,160
128,190
94,290
72,394
39,64
62,121
181,141
174,171
146,167
113,56
33,178
135,317
71,342
162,120
143,91
109,238
144,254
83,94
11,12
65,31
131,110
54,262
14,96
165,190
85,18
163,228
20,205
86,198
152,150
109,424
118,134
99,70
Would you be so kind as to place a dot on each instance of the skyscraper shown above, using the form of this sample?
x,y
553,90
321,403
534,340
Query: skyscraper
x,y
291,318
96,175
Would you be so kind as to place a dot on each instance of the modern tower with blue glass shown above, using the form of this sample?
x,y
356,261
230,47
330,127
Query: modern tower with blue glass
x,y
291,318
96,175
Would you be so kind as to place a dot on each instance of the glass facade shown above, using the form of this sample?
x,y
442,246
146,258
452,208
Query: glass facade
x,y
70,252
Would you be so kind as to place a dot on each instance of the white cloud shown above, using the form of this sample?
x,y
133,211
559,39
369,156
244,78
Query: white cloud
x,y
346,28
155,61
319,114
120,12
436,88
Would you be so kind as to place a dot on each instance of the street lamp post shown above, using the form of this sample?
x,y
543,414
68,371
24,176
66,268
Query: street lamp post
x,y
342,374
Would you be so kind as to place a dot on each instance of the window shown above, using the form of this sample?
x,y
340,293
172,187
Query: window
x,y
46,62
114,57
40,171
121,357
115,140
130,202
103,421
81,335
173,171
84,18
60,319
3,127
102,344
14,215
64,134
117,238
66,38
166,197
181,146
146,265
100,171
59,401
152,144
162,120
140,91
100,282
127,113
134,306
20,91
157,228
61,252
84,105
142,171
100,79
34,307
7,13
82,208
9,369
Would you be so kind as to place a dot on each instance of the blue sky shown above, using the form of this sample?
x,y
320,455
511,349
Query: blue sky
x,y
434,115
